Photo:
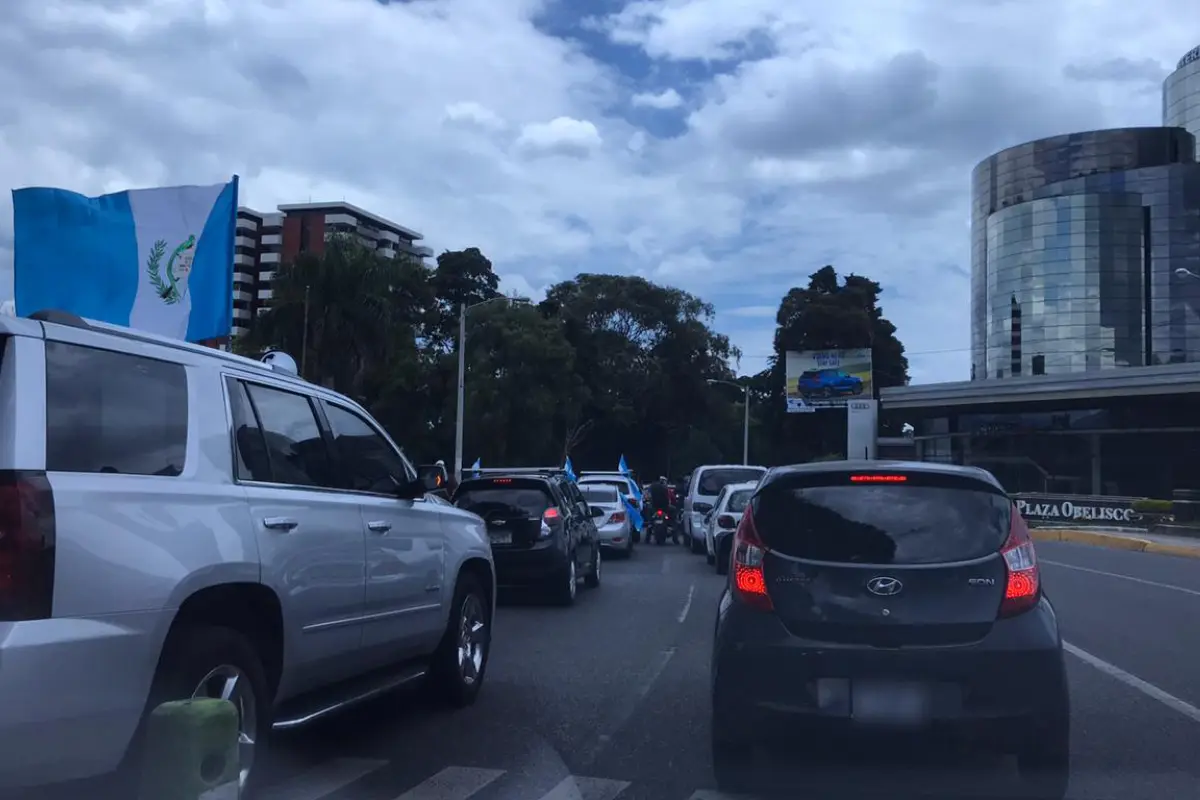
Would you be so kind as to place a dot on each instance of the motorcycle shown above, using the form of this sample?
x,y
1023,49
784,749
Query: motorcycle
x,y
660,529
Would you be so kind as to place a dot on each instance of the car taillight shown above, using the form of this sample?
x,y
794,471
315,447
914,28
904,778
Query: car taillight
x,y
27,534
618,516
551,514
748,582
658,513
1024,585
725,521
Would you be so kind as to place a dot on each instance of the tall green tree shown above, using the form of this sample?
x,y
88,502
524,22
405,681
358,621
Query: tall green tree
x,y
829,313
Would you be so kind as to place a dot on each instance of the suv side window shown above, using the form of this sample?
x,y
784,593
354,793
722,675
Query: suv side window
x,y
111,412
368,462
295,447
251,461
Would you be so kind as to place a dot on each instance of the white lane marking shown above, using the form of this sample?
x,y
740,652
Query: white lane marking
x,y
573,788
1150,690
452,783
322,780
687,606
631,705
1124,577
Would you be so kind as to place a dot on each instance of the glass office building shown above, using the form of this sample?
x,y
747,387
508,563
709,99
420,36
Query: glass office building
x,y
1079,246
1181,94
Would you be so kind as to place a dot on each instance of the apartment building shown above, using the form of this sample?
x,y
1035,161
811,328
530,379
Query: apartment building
x,y
265,240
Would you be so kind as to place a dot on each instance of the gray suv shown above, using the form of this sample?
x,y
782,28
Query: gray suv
x,y
180,522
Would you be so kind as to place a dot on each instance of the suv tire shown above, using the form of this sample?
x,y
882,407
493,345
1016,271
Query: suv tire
x,y
460,661
564,585
592,581
732,764
1044,762
193,653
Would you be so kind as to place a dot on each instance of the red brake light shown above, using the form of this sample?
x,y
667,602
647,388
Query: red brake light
x,y
878,478
27,538
658,513
501,480
551,514
1023,586
618,516
747,580
725,521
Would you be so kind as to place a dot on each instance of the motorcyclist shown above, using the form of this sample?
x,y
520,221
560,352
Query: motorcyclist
x,y
660,500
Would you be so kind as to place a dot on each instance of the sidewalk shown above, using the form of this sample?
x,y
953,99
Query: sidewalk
x,y
1139,542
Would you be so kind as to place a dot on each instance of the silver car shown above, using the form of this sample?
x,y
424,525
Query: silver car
x,y
184,522
611,516
723,520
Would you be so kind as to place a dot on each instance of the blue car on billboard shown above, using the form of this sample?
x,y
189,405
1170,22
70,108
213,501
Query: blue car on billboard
x,y
828,383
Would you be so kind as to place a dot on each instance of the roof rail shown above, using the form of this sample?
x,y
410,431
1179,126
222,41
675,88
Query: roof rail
x,y
517,470
57,317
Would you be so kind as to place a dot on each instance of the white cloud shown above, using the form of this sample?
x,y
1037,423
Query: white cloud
x,y
664,100
561,136
829,134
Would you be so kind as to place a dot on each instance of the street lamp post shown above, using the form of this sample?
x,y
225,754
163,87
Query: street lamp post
x,y
746,415
463,308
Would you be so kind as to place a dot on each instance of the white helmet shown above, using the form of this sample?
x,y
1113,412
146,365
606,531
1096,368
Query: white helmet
x,y
439,463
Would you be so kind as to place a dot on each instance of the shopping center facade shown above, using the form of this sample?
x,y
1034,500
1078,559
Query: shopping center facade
x,y
1085,313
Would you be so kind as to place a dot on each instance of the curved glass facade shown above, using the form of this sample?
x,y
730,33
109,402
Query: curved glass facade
x,y
1181,94
1075,245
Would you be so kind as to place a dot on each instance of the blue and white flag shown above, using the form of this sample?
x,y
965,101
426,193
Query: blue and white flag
x,y
623,468
478,465
635,516
158,260
567,468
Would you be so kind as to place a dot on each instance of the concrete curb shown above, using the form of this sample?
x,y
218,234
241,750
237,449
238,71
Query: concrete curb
x,y
1128,543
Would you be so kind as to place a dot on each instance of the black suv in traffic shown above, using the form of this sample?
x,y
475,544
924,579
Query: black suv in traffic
x,y
541,529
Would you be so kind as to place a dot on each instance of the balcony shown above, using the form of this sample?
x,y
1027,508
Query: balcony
x,y
341,219
243,259
269,258
272,240
267,276
245,241
239,294
265,294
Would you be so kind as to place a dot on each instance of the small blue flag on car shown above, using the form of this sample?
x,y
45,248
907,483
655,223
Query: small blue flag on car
x,y
567,468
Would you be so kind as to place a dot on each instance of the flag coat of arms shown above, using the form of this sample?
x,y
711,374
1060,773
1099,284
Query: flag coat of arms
x,y
158,260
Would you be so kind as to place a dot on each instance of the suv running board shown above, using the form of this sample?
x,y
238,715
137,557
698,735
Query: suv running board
x,y
310,708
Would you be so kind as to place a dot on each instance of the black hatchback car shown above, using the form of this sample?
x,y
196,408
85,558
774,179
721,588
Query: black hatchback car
x,y
541,531
887,597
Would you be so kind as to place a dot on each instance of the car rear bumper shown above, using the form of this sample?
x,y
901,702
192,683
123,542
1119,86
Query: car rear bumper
x,y
528,566
764,679
73,691
615,536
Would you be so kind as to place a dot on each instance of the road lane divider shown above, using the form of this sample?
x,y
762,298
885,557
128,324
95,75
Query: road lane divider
x,y
1114,542
1143,581
687,606
453,783
1150,690
323,780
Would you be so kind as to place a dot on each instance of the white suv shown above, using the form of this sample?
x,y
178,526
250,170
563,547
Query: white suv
x,y
177,522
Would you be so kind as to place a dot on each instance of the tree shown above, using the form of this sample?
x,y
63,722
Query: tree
x,y
461,277
829,314
643,352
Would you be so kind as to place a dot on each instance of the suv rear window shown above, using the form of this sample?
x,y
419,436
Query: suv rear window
x,y
113,412
925,521
712,481
504,494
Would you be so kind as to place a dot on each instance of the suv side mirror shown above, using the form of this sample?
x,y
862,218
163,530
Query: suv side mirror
x,y
432,476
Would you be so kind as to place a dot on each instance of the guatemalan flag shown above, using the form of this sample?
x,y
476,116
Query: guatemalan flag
x,y
158,260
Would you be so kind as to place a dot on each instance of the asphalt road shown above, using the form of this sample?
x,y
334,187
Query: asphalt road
x,y
608,700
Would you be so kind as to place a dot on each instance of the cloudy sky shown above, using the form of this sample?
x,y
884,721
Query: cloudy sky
x,y
729,147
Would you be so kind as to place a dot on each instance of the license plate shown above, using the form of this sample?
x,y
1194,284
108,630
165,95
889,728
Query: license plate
x,y
889,703
501,538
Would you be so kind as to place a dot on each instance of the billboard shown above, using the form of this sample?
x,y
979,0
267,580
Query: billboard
x,y
827,378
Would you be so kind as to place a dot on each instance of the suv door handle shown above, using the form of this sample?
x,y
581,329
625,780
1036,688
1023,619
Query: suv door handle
x,y
280,523
379,526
